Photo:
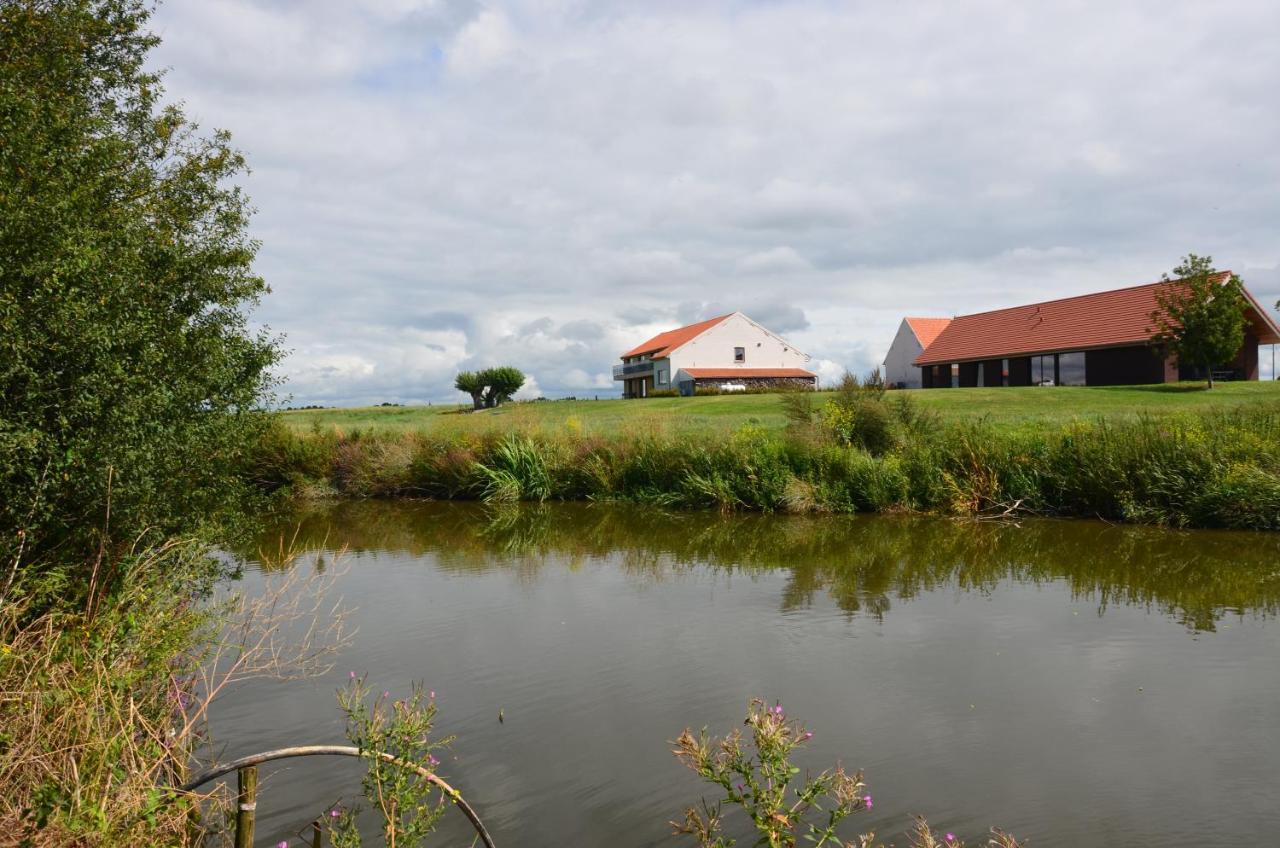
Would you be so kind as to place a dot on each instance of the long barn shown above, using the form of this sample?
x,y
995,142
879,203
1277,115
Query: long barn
x,y
1101,339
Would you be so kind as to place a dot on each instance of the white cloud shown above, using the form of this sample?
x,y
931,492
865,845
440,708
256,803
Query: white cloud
x,y
435,177
484,44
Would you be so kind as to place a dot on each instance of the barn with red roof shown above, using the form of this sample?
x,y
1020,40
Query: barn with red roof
x,y
1100,339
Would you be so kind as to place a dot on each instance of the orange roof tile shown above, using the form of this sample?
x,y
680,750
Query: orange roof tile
x,y
730,372
663,343
1104,319
927,329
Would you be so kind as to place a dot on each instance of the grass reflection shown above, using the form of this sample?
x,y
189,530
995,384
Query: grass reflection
x,y
863,563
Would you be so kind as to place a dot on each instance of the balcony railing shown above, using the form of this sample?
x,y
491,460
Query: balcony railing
x,y
633,369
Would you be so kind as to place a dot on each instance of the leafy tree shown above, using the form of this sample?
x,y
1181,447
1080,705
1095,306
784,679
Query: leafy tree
x,y
471,382
501,382
1200,317
131,385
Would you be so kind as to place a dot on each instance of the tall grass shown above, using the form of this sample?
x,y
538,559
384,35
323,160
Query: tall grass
x,y
1211,469
91,706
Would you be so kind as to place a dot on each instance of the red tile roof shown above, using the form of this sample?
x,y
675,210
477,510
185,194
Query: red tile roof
x,y
1104,319
663,343
927,329
730,372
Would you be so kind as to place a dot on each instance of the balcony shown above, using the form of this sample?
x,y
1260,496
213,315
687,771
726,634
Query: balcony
x,y
631,370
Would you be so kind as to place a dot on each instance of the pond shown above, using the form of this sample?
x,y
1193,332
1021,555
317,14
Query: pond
x,y
1075,683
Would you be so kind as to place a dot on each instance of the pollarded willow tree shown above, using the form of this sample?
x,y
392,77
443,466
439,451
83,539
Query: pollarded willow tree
x,y
131,383
1201,317
490,387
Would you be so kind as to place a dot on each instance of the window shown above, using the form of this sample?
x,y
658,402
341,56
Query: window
x,y
955,375
1071,369
662,378
1042,370
739,354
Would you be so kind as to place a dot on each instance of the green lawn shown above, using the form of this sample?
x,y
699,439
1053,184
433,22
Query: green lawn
x,y
1029,406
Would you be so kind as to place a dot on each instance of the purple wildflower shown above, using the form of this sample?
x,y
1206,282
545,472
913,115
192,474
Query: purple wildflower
x,y
866,799
432,694
283,844
386,694
334,813
432,760
951,837
352,675
808,734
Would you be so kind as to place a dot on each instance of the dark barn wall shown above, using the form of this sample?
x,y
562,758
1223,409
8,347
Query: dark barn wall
x,y
991,371
942,376
968,375
926,376
1020,371
1123,366
1247,359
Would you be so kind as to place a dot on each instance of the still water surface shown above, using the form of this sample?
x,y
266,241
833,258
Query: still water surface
x,y
1073,682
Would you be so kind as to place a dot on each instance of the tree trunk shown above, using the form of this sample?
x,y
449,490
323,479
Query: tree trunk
x,y
1209,371
477,400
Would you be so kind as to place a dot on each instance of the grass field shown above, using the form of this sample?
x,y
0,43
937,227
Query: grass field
x,y
1015,408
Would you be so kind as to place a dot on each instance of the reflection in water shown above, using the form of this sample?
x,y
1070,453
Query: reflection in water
x,y
860,562
968,667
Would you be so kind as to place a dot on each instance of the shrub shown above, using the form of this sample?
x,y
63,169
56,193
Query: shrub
x,y
756,775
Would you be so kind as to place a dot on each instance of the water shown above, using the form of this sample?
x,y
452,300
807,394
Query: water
x,y
1072,682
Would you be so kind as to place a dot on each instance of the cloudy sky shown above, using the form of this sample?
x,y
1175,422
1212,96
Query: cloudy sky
x,y
444,185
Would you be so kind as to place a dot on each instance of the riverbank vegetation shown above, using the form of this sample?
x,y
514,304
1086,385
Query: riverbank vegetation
x,y
862,450
130,384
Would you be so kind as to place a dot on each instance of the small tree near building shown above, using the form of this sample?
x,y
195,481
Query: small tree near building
x,y
1200,320
471,382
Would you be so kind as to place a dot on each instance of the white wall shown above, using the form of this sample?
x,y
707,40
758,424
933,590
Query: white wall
x,y
897,362
714,348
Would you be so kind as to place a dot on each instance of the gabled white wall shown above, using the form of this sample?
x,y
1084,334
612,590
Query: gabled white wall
x,y
897,362
714,348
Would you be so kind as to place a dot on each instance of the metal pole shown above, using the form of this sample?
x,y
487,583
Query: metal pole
x,y
315,834
246,805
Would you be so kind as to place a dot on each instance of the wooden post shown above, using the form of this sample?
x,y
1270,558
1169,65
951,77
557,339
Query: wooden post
x,y
316,833
246,805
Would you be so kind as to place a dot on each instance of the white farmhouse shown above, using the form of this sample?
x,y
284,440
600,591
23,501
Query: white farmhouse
x,y
731,353
914,335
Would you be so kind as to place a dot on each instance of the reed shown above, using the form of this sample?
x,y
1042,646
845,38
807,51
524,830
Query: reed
x,y
1219,468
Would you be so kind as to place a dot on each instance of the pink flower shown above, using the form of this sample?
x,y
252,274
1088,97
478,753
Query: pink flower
x,y
334,813
353,675
778,709
283,844
432,760
432,694
867,800
386,694
951,837
808,734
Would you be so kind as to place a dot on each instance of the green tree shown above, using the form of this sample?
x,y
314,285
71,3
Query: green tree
x,y
1201,317
501,383
131,383
471,382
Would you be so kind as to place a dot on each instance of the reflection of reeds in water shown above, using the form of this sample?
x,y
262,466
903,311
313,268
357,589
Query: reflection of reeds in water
x,y
862,563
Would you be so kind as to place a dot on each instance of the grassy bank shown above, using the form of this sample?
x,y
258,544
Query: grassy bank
x,y
1215,468
1028,407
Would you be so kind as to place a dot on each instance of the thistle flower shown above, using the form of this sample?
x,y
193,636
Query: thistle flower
x,y
951,837
866,799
